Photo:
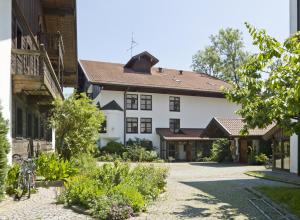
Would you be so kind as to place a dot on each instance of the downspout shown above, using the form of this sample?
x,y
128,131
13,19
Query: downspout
x,y
298,154
125,108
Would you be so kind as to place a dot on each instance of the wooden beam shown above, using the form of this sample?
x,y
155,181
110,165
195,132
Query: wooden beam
x,y
59,11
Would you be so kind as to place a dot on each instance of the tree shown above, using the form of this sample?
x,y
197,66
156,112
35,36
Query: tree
x,y
223,57
276,98
76,122
4,148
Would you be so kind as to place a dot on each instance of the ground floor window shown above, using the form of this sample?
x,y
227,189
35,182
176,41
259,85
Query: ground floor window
x,y
172,150
131,125
146,125
282,154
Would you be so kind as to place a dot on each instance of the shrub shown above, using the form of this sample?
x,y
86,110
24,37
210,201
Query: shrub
x,y
4,148
81,190
111,175
221,151
132,195
114,147
149,181
86,164
138,153
76,121
52,167
261,159
113,207
110,157
11,182
145,143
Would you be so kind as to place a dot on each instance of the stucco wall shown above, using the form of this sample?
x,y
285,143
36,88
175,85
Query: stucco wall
x,y
294,154
5,55
195,112
293,16
294,138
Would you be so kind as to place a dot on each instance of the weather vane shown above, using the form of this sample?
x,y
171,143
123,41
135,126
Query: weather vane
x,y
133,44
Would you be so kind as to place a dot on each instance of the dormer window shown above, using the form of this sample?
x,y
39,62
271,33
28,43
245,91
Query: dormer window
x,y
141,62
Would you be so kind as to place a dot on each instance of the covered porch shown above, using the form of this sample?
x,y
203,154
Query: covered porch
x,y
240,145
185,145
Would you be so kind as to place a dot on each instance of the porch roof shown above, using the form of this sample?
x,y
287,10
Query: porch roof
x,y
187,134
225,127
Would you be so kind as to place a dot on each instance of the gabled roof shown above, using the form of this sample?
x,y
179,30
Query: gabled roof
x,y
184,134
152,58
170,80
113,105
225,127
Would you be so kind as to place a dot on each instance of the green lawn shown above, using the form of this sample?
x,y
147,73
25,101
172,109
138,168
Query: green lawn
x,y
288,197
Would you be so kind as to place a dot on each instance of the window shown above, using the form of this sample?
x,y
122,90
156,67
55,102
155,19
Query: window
x,y
132,102
146,125
42,129
36,128
19,38
174,104
103,127
19,123
174,125
131,125
146,102
29,125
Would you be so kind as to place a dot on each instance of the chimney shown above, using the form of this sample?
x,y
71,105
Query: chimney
x,y
160,69
180,72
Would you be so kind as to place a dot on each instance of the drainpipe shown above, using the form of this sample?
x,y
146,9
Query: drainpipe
x,y
299,154
125,108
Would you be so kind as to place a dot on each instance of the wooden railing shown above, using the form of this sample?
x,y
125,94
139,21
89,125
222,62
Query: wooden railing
x,y
36,63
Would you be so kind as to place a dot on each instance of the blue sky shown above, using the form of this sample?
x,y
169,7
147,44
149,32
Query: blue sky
x,y
172,30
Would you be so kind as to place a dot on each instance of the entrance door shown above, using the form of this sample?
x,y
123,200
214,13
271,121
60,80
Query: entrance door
x,y
244,151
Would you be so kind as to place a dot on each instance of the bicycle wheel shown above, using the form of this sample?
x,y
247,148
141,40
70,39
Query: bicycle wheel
x,y
20,188
28,184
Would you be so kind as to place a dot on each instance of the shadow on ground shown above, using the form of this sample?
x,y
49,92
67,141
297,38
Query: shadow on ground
x,y
226,199
214,164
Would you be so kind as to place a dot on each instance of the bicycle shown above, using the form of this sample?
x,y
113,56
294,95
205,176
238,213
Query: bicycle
x,y
269,163
26,177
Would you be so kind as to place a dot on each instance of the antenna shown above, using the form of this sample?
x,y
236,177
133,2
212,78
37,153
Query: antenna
x,y
133,44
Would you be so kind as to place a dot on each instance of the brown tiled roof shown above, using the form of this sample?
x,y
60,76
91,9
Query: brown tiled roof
x,y
184,134
234,126
116,74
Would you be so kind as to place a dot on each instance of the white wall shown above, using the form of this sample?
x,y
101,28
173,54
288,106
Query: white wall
x,y
294,154
195,112
294,138
293,16
5,57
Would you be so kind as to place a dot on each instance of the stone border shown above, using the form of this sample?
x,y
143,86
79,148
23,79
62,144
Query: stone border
x,y
280,208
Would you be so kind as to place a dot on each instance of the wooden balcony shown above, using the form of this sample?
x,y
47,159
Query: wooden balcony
x,y
33,74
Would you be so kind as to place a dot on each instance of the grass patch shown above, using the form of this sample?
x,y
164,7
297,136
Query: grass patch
x,y
262,175
288,197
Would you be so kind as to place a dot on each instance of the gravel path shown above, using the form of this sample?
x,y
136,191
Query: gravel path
x,y
41,205
207,191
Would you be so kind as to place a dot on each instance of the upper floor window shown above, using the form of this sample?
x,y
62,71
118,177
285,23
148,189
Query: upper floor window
x,y
19,123
103,127
146,125
174,104
132,101
131,125
174,125
146,102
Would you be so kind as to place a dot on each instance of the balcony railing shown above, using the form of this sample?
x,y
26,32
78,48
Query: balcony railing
x,y
35,65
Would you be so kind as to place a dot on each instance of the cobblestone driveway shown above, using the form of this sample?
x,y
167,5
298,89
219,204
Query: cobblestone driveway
x,y
40,206
195,191
207,191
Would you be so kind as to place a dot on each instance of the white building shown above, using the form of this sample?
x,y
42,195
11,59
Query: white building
x,y
166,106
294,140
